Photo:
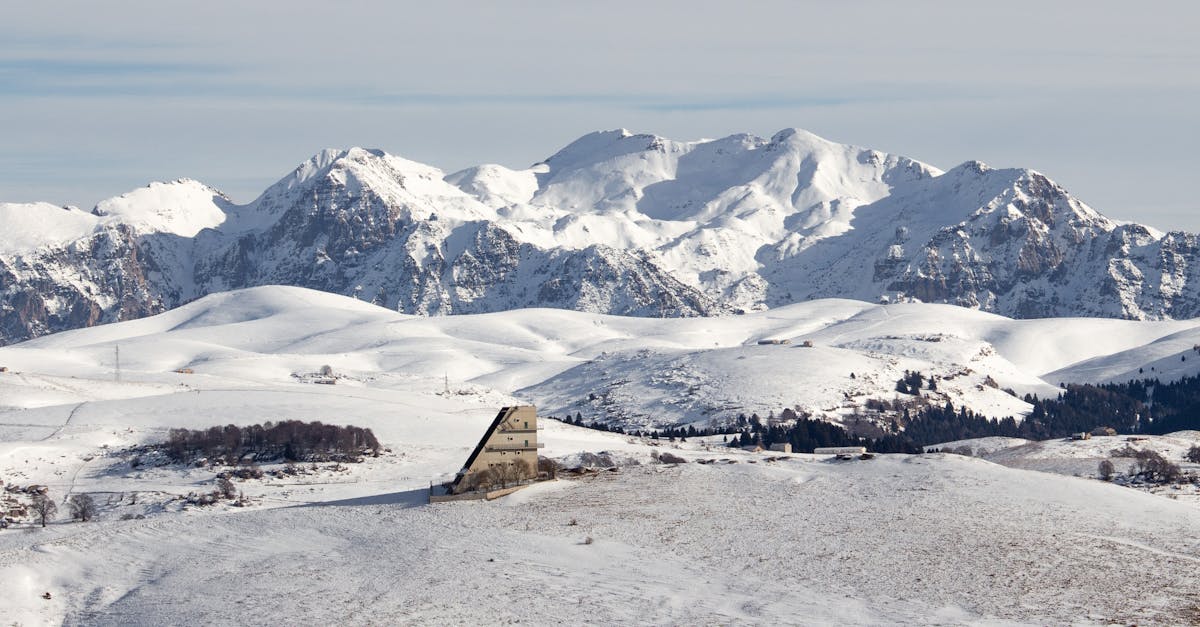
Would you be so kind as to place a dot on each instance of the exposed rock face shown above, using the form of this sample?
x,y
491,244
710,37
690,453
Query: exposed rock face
x,y
614,223
352,240
1008,241
102,278
347,222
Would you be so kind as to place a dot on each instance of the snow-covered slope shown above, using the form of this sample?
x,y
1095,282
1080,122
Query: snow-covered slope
x,y
1082,458
616,223
636,372
897,539
1168,358
28,226
936,540
184,208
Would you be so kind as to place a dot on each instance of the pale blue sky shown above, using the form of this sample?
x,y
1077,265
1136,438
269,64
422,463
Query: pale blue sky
x,y
99,98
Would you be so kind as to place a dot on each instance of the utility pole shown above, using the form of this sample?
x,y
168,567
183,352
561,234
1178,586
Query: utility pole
x,y
447,390
117,360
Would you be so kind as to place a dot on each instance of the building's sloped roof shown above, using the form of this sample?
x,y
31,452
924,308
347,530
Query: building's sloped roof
x,y
504,412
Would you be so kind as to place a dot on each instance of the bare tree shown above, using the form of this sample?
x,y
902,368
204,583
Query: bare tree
x,y
1107,470
522,470
512,472
500,474
481,479
82,506
44,507
1154,467
548,466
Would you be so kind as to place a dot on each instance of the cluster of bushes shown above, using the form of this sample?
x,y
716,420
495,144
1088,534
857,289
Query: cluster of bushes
x,y
225,489
499,476
504,475
289,440
1149,466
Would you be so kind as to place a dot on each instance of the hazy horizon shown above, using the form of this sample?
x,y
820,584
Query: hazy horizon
x,y
101,99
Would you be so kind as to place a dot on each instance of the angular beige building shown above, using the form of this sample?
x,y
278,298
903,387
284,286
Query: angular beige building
x,y
511,438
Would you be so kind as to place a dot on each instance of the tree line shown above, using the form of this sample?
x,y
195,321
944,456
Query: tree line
x,y
1138,406
288,440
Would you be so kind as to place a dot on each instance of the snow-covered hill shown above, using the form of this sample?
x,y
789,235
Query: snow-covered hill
x,y
630,371
1082,458
743,537
616,223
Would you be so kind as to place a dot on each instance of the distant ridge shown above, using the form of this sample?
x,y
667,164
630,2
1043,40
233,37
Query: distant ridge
x,y
615,222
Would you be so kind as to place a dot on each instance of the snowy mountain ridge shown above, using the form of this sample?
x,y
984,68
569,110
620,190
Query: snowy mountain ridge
x,y
615,222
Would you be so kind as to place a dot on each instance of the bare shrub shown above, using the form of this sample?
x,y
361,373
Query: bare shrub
x,y
1107,470
203,499
669,458
481,480
1193,454
548,467
226,487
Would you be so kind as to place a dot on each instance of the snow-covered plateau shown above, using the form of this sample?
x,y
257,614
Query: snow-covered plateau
x,y
615,223
1011,536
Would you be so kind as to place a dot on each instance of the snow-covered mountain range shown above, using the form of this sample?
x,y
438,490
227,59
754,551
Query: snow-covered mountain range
x,y
613,223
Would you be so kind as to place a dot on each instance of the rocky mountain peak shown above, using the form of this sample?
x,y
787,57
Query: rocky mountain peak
x,y
614,222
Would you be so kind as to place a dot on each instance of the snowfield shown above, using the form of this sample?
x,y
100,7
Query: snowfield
x,y
741,538
636,372
922,540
